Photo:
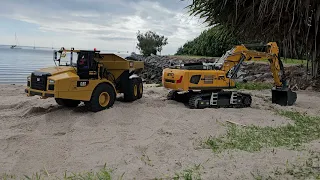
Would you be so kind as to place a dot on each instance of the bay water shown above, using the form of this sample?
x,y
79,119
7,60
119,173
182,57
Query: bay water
x,y
17,64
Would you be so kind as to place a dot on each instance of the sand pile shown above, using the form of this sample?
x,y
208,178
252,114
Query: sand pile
x,y
147,139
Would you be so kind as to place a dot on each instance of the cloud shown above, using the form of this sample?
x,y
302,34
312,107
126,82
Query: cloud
x,y
104,21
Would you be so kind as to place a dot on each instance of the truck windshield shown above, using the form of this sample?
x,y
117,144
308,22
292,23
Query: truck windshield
x,y
66,60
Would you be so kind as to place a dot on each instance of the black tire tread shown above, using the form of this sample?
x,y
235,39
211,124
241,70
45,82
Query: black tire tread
x,y
247,100
192,101
93,105
67,102
140,94
172,95
129,92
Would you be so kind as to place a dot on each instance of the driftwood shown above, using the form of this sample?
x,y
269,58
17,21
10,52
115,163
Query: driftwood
x,y
231,122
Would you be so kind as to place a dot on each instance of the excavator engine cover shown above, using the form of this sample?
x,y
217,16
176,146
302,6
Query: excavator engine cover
x,y
283,97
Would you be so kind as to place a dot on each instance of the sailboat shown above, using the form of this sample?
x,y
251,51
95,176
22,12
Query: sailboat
x,y
15,46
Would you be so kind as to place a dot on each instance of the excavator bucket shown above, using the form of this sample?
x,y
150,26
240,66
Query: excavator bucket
x,y
284,97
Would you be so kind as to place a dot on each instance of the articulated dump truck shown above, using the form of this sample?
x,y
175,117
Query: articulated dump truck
x,y
95,79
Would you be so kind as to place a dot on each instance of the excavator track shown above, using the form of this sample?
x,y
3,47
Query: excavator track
x,y
221,99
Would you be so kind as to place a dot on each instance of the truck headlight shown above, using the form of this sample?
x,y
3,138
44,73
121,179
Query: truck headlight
x,y
51,81
28,78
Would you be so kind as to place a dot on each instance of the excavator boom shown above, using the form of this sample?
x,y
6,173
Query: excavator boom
x,y
281,94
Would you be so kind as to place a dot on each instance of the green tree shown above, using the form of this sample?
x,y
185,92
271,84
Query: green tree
x,y
212,42
293,24
150,43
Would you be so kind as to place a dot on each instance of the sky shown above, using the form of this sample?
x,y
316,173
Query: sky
x,y
102,24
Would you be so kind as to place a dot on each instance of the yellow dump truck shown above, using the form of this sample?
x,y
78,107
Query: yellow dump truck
x,y
94,78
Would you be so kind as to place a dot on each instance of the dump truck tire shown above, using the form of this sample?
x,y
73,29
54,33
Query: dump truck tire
x,y
103,97
140,88
59,101
131,93
67,102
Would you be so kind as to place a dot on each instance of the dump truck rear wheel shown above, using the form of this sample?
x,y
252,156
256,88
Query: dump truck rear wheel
x,y
103,97
140,88
131,93
67,102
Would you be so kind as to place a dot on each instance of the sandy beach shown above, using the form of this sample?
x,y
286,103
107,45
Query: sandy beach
x,y
147,139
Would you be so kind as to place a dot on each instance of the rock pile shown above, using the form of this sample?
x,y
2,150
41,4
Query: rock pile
x,y
249,72
155,64
296,75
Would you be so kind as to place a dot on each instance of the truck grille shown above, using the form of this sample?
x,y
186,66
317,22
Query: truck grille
x,y
39,80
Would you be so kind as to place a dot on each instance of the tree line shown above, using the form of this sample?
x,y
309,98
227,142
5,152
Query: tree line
x,y
293,24
213,42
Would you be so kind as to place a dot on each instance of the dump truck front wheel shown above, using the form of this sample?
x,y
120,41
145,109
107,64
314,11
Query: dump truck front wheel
x,y
67,102
103,97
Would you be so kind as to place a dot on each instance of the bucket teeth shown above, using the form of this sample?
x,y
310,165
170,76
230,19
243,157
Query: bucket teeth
x,y
284,97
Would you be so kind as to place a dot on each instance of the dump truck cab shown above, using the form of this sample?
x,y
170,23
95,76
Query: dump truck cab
x,y
89,76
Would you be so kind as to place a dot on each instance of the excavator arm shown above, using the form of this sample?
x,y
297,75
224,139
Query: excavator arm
x,y
281,94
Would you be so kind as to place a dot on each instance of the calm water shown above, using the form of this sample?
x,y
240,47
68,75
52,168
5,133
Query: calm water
x,y
17,64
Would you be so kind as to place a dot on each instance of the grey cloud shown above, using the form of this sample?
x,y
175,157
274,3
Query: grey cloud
x,y
108,20
116,39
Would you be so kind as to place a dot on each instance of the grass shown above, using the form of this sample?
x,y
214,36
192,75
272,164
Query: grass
x,y
309,169
103,174
190,57
192,173
294,61
287,61
189,174
254,86
284,60
252,138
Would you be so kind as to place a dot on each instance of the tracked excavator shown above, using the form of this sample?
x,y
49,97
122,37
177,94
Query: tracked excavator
x,y
204,85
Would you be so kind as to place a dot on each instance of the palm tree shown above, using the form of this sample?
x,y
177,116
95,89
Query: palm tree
x,y
294,24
